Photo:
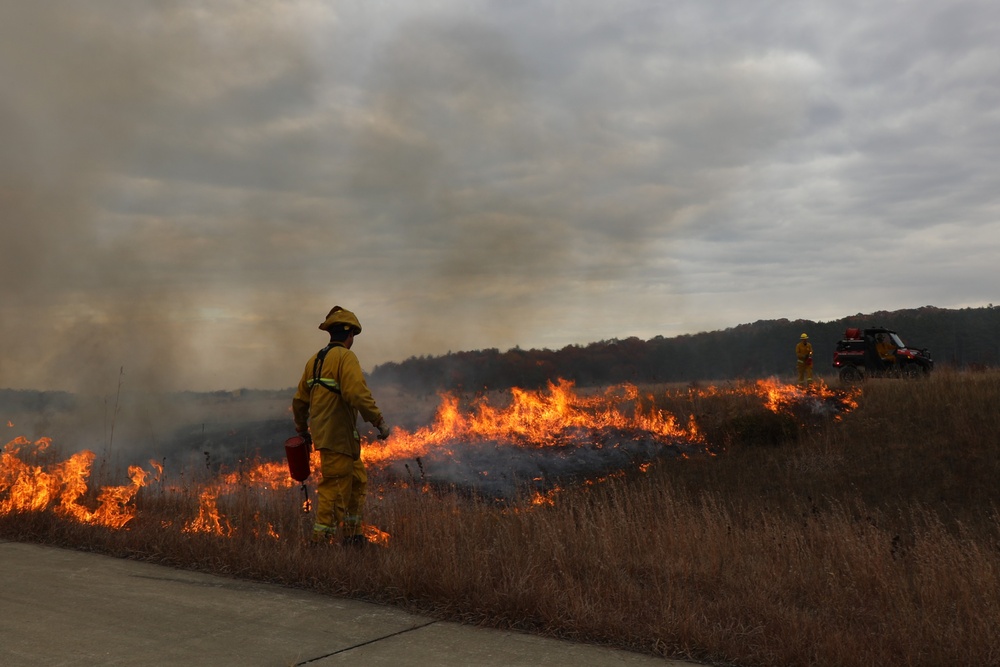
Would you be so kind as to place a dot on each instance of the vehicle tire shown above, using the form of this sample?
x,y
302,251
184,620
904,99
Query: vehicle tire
x,y
851,374
913,372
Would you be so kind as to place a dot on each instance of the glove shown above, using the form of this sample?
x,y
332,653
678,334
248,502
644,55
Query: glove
x,y
307,436
383,430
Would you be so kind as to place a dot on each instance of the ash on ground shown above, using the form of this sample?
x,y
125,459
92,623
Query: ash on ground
x,y
504,470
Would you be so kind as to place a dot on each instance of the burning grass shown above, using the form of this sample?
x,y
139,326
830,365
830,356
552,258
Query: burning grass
x,y
749,524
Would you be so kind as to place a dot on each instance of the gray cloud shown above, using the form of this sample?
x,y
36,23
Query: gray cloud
x,y
186,189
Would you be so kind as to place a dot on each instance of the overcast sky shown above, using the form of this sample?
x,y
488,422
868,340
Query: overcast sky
x,y
186,188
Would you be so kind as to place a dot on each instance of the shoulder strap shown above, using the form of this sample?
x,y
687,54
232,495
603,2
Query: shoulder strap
x,y
328,383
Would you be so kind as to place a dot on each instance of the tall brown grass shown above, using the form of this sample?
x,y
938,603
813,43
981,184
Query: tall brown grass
x,y
871,540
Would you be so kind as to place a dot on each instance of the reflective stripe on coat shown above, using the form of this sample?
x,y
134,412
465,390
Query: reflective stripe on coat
x,y
332,417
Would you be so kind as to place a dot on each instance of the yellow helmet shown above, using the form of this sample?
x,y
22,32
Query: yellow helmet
x,y
342,319
804,336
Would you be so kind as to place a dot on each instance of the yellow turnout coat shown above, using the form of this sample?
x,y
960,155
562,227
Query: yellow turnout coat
x,y
329,398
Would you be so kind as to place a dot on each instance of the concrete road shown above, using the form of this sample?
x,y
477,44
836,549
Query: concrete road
x,y
63,607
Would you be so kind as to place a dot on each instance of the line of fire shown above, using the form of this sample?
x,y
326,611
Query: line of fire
x,y
522,453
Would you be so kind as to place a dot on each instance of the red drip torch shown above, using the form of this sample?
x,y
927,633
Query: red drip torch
x,y
297,454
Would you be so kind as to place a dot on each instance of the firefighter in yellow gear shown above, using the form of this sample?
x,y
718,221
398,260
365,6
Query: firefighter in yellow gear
x,y
329,398
804,359
885,348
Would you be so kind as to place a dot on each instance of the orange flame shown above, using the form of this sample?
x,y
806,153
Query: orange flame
x,y
533,418
208,519
376,536
539,499
780,397
30,488
558,415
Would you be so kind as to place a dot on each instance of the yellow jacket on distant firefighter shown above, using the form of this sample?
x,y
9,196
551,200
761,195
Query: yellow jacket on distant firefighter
x,y
330,396
804,359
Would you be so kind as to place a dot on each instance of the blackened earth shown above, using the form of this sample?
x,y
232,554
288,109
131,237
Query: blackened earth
x,y
495,469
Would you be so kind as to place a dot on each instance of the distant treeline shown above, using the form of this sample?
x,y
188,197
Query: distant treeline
x,y
969,337
965,338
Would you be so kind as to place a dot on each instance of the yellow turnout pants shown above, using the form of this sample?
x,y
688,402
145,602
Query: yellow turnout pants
x,y
805,371
341,496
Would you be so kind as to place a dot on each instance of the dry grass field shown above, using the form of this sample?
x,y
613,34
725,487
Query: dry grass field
x,y
865,536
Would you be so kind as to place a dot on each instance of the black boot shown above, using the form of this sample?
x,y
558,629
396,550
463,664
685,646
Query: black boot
x,y
356,541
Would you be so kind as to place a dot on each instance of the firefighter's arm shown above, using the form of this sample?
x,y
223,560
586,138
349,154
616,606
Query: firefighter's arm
x,y
355,391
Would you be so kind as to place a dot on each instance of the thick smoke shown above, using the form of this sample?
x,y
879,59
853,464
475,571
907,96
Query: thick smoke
x,y
116,124
187,188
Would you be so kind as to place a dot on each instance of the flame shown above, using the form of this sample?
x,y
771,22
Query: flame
x,y
208,519
114,503
28,488
779,397
540,499
31,488
533,419
31,480
817,396
375,535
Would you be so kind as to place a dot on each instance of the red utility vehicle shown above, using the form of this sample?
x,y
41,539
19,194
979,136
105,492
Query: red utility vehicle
x,y
879,352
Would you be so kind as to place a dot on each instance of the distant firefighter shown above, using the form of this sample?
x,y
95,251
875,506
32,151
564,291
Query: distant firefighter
x,y
804,359
330,395
885,347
